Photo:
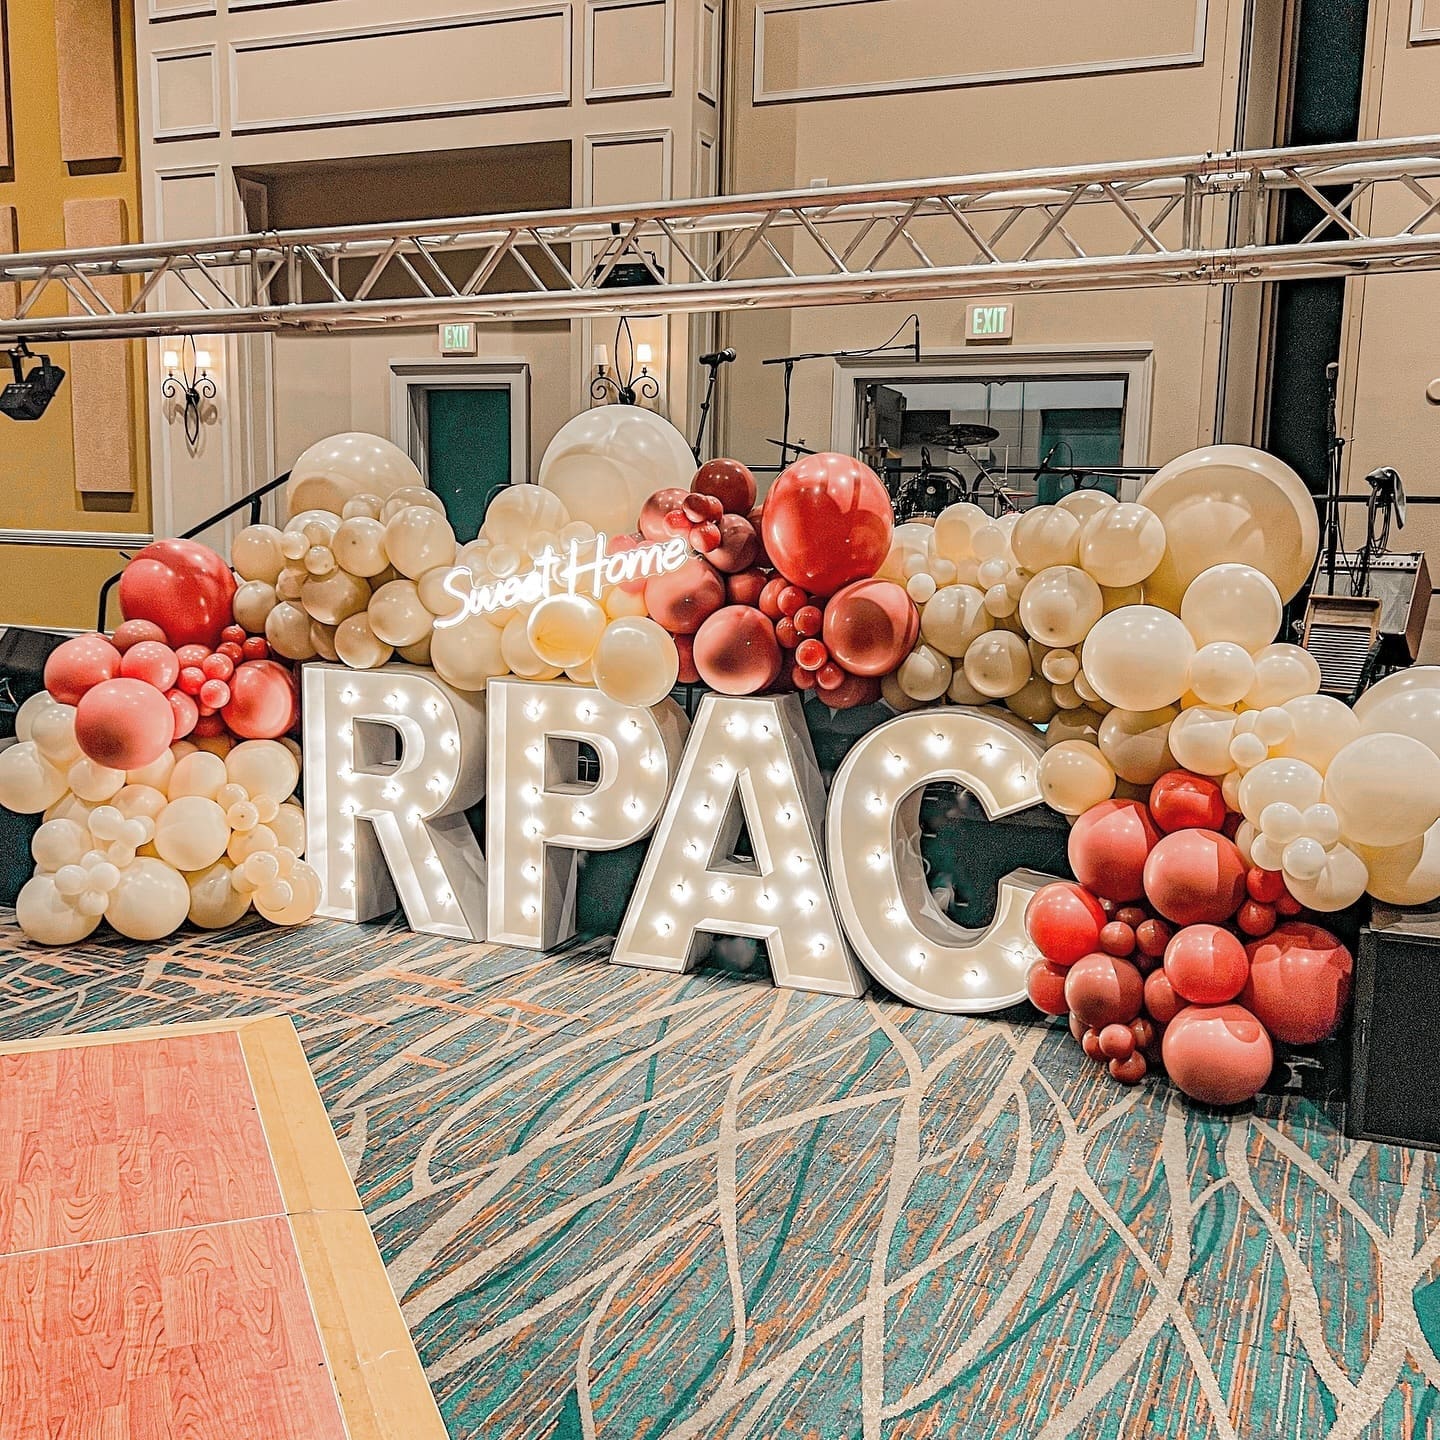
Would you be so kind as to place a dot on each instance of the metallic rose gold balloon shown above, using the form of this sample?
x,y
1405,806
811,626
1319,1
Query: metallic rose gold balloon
x,y
736,651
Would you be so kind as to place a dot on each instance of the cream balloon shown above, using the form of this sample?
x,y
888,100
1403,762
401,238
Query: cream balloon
x,y
255,554
418,539
960,691
263,767
953,618
59,842
48,917
1033,701
253,602
1200,739
1418,677
1119,598
1321,727
925,673
1045,536
289,827
417,654
191,833
1283,672
52,732
140,802
468,654
1081,723
1085,502
215,903
619,602
157,773
1385,789
1138,658
1407,874
520,656
294,900
1060,605
322,637
150,902
954,531
91,781
397,614
1414,712
287,629
344,467
1221,673
358,645
1137,743
419,495
29,783
30,710
565,629
1120,545
359,547
518,511
1271,782
1235,603
636,662
1231,503
438,598
1074,775
1340,882
996,664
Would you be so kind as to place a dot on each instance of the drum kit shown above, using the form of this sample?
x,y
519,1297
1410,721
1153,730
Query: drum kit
x,y
924,494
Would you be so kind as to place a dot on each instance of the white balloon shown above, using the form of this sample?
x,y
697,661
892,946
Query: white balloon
x,y
954,618
1281,821
263,767
925,673
29,783
519,511
48,917
1407,874
1046,535
1291,781
255,554
198,773
151,900
1232,602
1414,712
1121,545
1282,672
1341,882
191,833
1074,775
1221,673
1304,859
53,734
1136,743
1138,658
344,467
996,664
1320,822
1060,605
59,842
1385,789
215,903
1322,727
91,781
39,702
1418,677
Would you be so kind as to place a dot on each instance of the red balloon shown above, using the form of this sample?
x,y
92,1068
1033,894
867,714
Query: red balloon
x,y
744,587
730,482
1206,965
1129,1071
132,632
1287,905
1255,918
1045,985
736,651
871,626
1218,1055
827,521
1194,877
1162,1004
688,675
852,691
185,710
181,586
739,546
154,663
1152,936
1109,845
1064,922
1182,801
1299,982
1266,886
1117,938
262,701
207,727
77,665
654,511
684,599
1103,991
124,723
1117,1042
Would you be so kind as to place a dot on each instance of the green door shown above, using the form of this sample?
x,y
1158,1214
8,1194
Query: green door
x,y
468,444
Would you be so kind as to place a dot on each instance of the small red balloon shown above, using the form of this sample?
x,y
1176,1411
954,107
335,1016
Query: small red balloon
x,y
684,599
1218,1055
1194,877
1255,919
1162,1004
233,634
785,633
736,651
1266,886
153,662
183,587
1130,1071
802,679
811,654
1132,915
192,680
214,695
769,601
124,723
75,666
1045,985
1206,965
218,667
1288,906
192,655
263,704
744,588
730,482
1102,990
738,545
1117,938
207,727
1090,1044
654,511
1299,983
1109,846
871,626
829,676
1151,937
688,675
256,647
852,691
133,632
1117,1042
809,620
1143,1032
1064,922
1182,801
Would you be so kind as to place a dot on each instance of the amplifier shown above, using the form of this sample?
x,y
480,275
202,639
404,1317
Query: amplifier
x,y
1401,583
1395,1059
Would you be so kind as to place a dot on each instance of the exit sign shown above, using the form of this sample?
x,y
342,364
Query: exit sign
x,y
458,338
989,322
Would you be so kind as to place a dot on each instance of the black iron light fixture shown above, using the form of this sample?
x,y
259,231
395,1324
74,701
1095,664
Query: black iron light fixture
x,y
187,378
624,385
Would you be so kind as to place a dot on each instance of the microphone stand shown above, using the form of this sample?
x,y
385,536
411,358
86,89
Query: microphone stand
x,y
713,366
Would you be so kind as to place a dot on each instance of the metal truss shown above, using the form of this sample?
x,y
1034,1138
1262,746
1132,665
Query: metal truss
x,y
1201,220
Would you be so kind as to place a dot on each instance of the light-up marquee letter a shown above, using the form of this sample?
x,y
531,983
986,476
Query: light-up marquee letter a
x,y
904,939
750,759
403,752
542,809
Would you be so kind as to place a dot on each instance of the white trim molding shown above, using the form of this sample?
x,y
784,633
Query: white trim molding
x,y
158,58
710,28
665,85
410,378
157,15
1195,55
1420,32
78,539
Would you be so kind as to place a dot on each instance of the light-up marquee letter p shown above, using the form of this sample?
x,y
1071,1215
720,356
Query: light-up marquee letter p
x,y
403,752
902,936
542,810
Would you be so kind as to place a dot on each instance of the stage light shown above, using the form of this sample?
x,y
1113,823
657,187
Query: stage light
x,y
27,397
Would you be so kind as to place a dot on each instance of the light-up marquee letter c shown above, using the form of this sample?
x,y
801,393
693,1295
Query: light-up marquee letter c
x,y
873,829
400,750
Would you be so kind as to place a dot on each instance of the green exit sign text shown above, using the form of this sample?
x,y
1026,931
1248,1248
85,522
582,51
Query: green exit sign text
x,y
989,322
458,338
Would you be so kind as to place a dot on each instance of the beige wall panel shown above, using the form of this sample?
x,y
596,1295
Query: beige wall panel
x,y
9,243
710,50
186,93
498,60
86,40
864,46
1425,20
627,169
100,373
629,48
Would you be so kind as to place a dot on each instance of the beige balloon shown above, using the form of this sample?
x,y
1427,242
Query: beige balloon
x,y
1385,789
1081,723
1120,545
359,546
334,598
1417,677
468,654
191,833
1282,672
397,500
344,467
1340,883
520,656
1033,701
1045,536
1060,605
417,654
1277,781
1235,603
136,802
1085,502
925,674
157,773
29,783
263,767
287,628
518,511
322,637
1323,726
1138,658
254,600
215,903
1137,743
1407,874
636,662
1125,595
150,902
289,827
397,614
303,884
1414,712
255,554
52,732
91,781
953,618
47,917
1221,673
620,603
1075,775
565,629
1200,739
418,539
954,531
435,597
997,664
359,646
293,579
961,691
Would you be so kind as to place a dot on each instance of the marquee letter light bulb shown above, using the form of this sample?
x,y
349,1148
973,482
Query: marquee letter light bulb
x,y
873,833
541,816
415,839
751,758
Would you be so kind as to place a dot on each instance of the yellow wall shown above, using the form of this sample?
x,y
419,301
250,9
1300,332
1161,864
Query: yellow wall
x,y
57,585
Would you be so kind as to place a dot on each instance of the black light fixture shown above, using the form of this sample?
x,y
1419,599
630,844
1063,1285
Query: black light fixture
x,y
187,378
27,397
625,387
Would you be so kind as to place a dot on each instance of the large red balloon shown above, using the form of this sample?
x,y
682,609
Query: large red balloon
x,y
1206,965
124,723
1218,1055
827,521
684,599
1045,985
871,626
1102,990
77,665
153,662
1109,845
730,482
736,651
183,587
1182,801
1064,922
1195,877
1299,982
262,701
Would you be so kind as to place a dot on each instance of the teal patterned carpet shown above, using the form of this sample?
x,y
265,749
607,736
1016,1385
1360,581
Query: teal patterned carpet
x,y
621,1204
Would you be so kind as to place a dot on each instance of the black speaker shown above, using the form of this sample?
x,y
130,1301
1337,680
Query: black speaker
x,y
1395,1061
23,653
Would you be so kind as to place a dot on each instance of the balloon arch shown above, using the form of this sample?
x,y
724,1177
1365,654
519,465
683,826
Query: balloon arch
x,y
1216,798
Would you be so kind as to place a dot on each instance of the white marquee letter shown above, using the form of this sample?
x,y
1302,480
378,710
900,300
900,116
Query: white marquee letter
x,y
873,830
757,753
400,749
539,815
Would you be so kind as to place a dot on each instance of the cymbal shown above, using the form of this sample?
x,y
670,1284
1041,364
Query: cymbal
x,y
882,452
956,437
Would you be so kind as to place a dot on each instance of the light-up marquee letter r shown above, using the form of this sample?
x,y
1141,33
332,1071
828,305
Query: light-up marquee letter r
x,y
393,758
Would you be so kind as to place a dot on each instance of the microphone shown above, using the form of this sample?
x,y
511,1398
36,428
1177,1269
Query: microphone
x,y
718,357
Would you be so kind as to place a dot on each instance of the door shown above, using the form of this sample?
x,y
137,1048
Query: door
x,y
468,450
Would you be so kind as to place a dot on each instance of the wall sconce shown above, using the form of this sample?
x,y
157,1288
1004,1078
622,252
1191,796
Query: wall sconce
x,y
187,378
625,387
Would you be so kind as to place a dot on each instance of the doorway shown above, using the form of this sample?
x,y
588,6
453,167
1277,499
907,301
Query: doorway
x,y
467,427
